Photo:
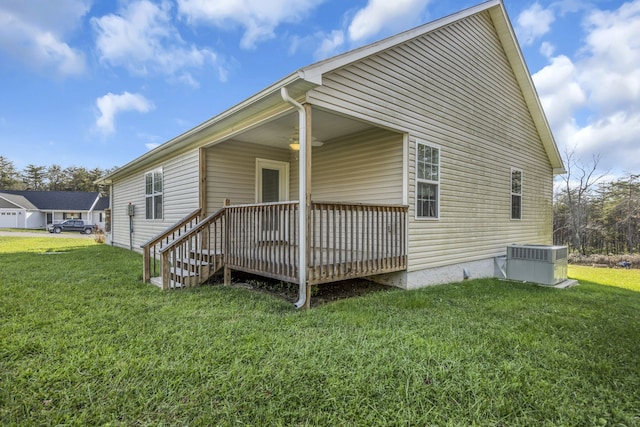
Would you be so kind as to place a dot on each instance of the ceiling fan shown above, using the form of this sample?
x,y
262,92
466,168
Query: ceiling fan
x,y
294,143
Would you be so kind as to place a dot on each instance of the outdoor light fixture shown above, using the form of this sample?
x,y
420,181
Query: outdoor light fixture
x,y
295,144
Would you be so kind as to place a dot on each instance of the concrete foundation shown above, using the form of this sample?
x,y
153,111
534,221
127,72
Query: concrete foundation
x,y
438,275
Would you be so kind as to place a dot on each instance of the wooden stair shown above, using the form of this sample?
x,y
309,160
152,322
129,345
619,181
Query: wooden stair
x,y
189,253
193,270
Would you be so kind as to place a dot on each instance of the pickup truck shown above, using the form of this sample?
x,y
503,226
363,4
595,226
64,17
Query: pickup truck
x,y
71,225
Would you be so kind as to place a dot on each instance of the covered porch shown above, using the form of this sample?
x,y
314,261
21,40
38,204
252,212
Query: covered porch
x,y
266,169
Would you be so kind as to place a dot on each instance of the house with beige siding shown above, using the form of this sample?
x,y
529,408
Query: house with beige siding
x,y
412,161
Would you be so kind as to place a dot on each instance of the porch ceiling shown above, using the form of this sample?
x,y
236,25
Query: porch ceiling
x,y
325,126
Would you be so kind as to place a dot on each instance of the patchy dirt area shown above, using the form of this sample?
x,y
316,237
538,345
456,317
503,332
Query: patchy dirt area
x,y
321,294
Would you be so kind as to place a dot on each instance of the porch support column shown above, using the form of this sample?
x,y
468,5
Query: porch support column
x,y
307,196
202,198
303,160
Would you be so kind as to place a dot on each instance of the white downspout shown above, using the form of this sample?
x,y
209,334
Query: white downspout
x,y
302,198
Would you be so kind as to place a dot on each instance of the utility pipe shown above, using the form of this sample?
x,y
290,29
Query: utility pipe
x,y
302,197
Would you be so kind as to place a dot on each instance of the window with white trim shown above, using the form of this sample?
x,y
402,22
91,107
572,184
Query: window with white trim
x,y
427,181
153,194
516,194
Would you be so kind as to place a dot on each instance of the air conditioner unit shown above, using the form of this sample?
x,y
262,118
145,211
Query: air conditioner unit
x,y
546,265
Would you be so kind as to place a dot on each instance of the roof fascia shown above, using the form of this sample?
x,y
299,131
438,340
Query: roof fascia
x,y
314,72
95,202
523,76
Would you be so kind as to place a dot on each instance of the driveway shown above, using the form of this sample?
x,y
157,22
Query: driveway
x,y
53,235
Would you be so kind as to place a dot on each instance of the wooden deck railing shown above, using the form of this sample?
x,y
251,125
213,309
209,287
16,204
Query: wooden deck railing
x,y
262,239
349,240
344,240
151,249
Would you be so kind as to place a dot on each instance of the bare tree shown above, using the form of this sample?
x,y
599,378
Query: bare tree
x,y
578,182
631,212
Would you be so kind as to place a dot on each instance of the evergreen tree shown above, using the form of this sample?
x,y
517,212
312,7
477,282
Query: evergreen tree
x,y
56,178
33,177
8,175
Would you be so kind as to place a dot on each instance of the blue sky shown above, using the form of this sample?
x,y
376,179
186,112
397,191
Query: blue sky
x,y
97,83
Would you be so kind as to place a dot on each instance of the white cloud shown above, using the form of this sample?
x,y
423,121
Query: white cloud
x,y
34,32
612,67
111,104
547,49
533,23
617,134
153,141
600,87
330,44
187,78
380,15
560,93
259,18
143,39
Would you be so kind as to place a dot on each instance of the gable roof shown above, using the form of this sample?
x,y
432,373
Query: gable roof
x,y
101,204
305,79
18,201
53,200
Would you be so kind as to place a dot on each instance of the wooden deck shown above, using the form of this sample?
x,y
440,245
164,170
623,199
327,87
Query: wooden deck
x,y
345,241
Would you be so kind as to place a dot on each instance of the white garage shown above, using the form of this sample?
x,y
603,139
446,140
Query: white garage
x,y
15,209
11,218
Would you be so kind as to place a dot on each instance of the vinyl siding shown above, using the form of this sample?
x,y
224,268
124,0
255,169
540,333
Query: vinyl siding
x,y
366,167
455,88
231,171
180,197
363,168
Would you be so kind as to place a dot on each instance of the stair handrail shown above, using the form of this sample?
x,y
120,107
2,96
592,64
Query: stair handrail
x,y
203,223
146,247
172,228
183,238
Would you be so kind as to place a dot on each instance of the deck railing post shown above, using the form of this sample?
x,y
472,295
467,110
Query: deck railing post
x,y
164,260
226,246
146,263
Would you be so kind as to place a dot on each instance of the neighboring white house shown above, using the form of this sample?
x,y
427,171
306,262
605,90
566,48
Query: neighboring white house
x,y
37,209
442,122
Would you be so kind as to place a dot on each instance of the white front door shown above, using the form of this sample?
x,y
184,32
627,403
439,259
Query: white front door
x,y
272,185
272,181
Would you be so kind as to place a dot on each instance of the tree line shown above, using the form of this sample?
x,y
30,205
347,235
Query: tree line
x,y
49,178
593,215
590,214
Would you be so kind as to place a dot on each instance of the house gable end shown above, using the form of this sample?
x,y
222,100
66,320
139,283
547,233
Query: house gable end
x,y
7,204
452,81
502,37
15,201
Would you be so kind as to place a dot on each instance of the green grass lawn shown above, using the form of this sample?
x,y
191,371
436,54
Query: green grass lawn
x,y
85,342
618,277
24,230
